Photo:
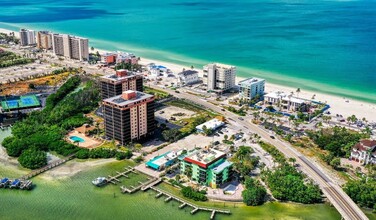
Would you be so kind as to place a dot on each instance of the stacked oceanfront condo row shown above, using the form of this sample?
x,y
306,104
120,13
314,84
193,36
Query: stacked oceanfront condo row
x,y
65,45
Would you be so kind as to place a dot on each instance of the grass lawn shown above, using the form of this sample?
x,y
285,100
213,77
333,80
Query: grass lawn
x,y
190,106
159,94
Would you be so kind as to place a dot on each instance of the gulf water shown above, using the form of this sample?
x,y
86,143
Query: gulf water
x,y
320,45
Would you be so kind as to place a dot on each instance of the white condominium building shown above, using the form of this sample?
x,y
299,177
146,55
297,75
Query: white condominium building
x,y
219,77
251,88
70,46
27,37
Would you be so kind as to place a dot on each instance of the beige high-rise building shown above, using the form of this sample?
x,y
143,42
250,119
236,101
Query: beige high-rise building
x,y
71,47
129,116
44,40
219,77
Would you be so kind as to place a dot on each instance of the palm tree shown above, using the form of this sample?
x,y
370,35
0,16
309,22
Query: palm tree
x,y
256,115
243,153
298,91
292,160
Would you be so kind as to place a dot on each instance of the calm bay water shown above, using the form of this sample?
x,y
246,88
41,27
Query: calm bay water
x,y
326,46
76,198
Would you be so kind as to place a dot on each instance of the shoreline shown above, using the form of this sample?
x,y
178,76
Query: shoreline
x,y
339,105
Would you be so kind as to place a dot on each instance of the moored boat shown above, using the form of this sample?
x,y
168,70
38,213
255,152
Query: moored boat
x,y
100,181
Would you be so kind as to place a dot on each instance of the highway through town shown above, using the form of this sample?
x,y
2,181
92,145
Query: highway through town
x,y
341,201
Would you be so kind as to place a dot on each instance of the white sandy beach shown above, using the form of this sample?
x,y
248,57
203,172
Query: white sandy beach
x,y
338,104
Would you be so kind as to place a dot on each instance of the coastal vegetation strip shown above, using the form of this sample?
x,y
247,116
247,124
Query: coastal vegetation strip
x,y
8,59
286,183
43,131
158,94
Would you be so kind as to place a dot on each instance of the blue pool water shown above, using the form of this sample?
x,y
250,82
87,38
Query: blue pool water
x,y
76,139
321,45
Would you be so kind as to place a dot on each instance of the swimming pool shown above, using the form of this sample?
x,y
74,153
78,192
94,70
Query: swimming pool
x,y
76,139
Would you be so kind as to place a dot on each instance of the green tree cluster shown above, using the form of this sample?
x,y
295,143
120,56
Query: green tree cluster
x,y
243,162
44,130
287,184
33,158
363,192
189,192
254,193
171,135
337,140
103,153
240,111
276,154
8,59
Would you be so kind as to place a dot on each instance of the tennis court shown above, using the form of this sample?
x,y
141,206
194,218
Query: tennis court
x,y
30,101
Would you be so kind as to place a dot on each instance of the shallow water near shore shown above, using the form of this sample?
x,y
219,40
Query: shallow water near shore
x,y
325,46
76,198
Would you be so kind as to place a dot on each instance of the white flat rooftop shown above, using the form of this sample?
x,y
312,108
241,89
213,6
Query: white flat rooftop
x,y
212,124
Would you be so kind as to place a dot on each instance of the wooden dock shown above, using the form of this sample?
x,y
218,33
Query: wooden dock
x,y
143,186
184,203
47,167
115,179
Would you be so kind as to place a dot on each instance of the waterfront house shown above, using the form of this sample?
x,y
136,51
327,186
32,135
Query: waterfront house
x,y
188,77
285,102
364,152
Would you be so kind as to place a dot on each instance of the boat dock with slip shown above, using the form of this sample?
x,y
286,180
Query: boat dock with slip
x,y
15,184
195,208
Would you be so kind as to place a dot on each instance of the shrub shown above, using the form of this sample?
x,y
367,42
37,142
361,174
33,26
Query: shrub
x,y
189,192
33,158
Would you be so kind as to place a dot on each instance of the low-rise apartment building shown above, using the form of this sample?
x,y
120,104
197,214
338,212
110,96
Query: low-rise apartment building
x,y
207,167
252,88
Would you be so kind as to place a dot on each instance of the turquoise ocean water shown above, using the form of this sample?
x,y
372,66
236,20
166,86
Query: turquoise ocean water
x,y
326,46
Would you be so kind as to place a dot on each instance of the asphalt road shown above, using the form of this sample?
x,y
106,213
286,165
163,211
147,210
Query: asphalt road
x,y
341,201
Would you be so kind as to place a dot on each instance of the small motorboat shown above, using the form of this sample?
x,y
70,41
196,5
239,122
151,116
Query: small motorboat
x,y
15,184
4,182
100,181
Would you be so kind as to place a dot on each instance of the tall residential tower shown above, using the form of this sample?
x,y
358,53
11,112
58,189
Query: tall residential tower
x,y
70,46
27,37
44,40
122,80
129,116
219,77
